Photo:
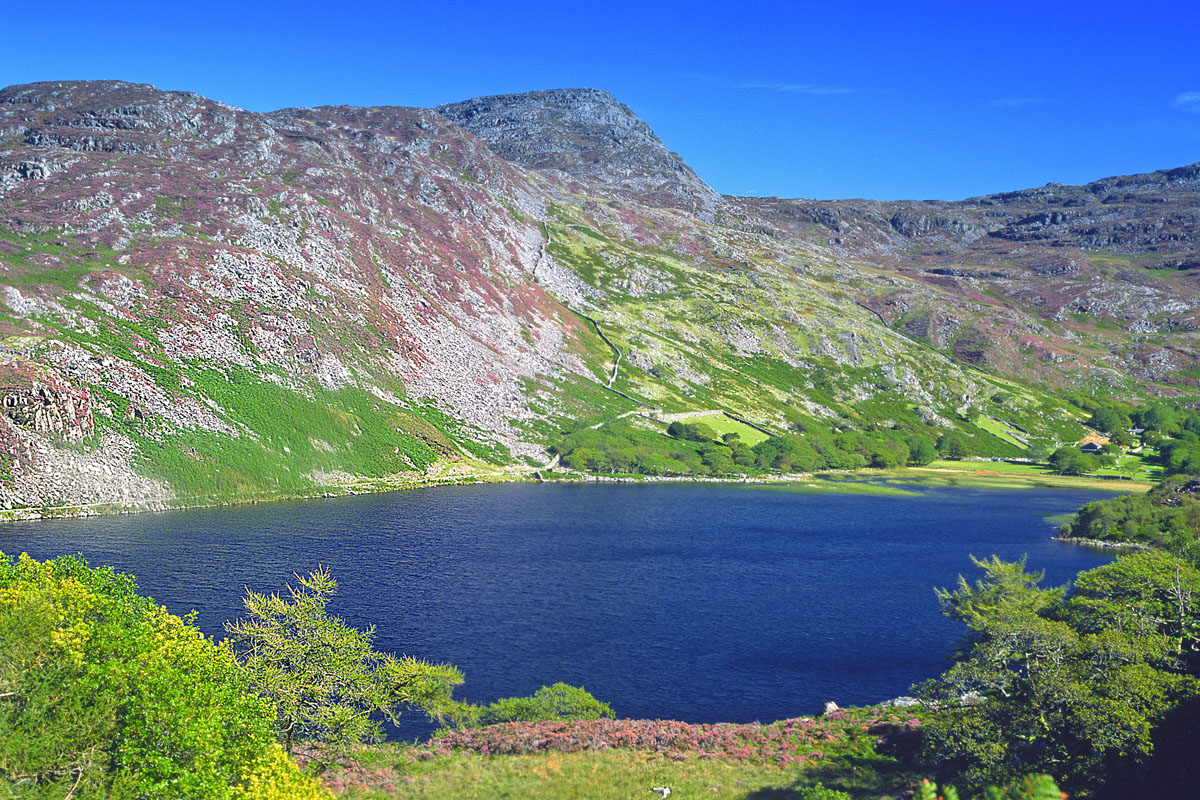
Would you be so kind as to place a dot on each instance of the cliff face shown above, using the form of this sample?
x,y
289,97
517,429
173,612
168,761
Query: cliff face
x,y
243,303
587,135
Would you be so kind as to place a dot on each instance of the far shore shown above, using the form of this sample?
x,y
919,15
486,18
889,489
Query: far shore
x,y
896,481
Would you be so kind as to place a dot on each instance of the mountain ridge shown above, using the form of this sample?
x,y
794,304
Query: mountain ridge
x,y
418,305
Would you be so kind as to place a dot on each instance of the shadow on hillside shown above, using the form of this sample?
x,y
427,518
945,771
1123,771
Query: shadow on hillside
x,y
1174,769
861,778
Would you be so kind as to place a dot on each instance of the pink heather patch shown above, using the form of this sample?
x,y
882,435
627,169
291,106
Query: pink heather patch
x,y
789,741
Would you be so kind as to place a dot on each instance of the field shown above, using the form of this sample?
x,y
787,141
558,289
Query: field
x,y
616,774
1135,465
1002,475
723,425
1001,430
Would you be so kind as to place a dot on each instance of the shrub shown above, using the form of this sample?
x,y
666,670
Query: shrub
x,y
558,702
819,792
951,446
103,693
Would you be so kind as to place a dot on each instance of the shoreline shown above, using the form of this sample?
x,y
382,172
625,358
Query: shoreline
x,y
1101,544
80,511
898,481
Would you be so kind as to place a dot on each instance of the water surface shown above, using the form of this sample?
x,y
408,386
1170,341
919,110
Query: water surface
x,y
696,602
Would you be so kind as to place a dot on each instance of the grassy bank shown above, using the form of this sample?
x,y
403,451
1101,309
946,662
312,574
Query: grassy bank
x,y
605,774
899,481
848,750
998,475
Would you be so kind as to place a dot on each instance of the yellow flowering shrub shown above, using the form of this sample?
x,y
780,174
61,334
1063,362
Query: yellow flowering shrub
x,y
104,693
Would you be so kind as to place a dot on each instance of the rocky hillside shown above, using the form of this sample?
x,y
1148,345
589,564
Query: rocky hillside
x,y
1037,282
586,135
204,302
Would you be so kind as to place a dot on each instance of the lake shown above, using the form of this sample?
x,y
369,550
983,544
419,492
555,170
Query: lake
x,y
703,603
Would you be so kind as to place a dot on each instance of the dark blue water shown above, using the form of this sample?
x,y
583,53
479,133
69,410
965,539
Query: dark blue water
x,y
700,603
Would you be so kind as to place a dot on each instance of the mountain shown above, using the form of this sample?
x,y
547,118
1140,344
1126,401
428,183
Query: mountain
x,y
587,135
202,302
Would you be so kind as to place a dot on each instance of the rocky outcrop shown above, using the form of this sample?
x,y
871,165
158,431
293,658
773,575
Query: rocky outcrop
x,y
37,400
588,135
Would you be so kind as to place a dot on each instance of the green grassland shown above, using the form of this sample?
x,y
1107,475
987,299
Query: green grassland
x,y
722,425
776,760
616,774
1001,475
1001,430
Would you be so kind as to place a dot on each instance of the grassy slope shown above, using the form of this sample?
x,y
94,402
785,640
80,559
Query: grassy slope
x,y
291,433
817,352
625,758
618,774
723,425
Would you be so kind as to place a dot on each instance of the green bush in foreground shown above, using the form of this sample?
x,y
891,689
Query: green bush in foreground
x,y
105,694
1070,685
1033,787
558,702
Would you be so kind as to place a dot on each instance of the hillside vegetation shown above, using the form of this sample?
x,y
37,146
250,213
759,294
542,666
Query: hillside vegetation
x,y
203,303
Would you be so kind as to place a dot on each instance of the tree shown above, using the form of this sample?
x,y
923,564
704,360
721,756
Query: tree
x,y
951,446
1158,418
1006,589
105,694
1151,594
921,450
557,702
886,453
1067,460
325,677
1038,451
1056,689
1121,438
1107,420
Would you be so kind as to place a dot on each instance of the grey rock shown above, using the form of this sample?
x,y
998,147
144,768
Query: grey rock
x,y
588,135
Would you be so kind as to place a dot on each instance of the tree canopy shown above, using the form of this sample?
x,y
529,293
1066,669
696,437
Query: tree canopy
x,y
1073,686
105,694
324,677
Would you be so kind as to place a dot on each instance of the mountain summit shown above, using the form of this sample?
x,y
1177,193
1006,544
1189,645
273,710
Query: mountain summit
x,y
588,135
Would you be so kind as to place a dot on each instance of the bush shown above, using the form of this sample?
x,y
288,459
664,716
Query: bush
x,y
558,702
819,792
103,693
921,450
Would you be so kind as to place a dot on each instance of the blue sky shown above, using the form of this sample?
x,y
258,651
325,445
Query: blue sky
x,y
803,99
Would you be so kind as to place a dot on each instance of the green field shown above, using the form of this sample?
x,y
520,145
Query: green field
x,y
1002,475
777,760
1135,465
617,774
723,425
1001,431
